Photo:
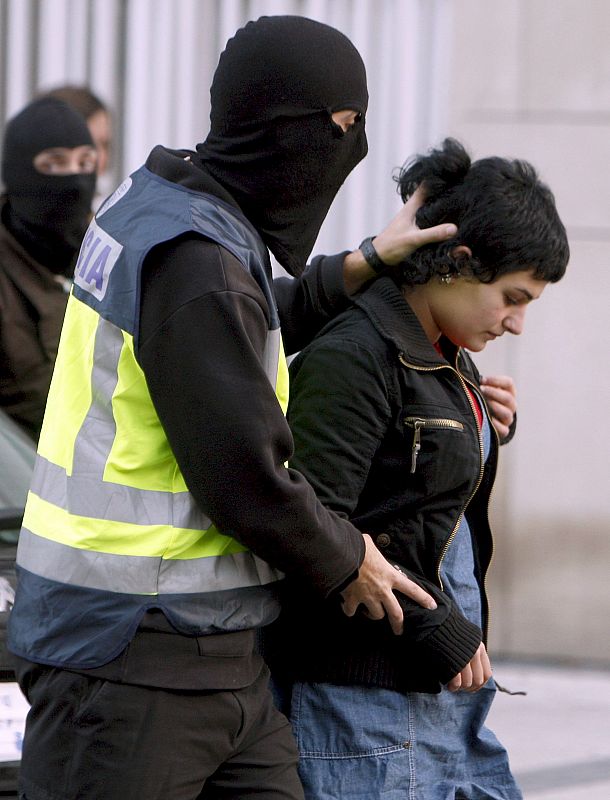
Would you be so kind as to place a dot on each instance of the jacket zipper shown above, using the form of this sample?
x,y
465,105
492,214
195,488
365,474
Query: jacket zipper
x,y
481,456
491,543
417,423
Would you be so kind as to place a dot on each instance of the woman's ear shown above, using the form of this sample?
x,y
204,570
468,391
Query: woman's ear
x,y
462,259
461,252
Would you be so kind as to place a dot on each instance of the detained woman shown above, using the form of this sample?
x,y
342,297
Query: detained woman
x,y
394,430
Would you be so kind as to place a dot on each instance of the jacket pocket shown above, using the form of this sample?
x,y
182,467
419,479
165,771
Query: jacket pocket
x,y
421,424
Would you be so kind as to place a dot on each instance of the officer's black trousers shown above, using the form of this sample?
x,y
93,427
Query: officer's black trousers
x,y
91,739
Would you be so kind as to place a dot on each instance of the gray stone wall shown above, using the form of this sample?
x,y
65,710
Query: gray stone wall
x,y
531,79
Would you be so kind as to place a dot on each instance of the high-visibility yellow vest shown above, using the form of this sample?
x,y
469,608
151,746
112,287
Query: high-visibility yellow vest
x,y
110,528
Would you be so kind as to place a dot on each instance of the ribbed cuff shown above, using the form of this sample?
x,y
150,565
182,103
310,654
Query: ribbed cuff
x,y
450,646
331,278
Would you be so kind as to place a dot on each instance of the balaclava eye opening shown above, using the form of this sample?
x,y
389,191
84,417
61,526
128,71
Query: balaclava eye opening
x,y
272,143
47,214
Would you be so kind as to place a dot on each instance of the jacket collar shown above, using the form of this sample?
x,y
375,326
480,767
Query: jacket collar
x,y
395,321
185,168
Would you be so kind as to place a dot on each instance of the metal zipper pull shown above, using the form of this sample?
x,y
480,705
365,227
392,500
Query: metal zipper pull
x,y
429,422
416,447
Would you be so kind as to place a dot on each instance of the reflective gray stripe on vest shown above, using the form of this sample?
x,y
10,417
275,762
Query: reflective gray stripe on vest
x,y
97,433
148,575
271,356
114,501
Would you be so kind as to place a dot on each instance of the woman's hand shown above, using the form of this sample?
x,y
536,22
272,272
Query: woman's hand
x,y
474,675
501,396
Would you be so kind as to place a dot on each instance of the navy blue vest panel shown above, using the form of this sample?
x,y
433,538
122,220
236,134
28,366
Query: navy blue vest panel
x,y
107,627
143,212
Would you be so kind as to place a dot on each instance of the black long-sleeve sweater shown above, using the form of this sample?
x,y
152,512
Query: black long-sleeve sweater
x,y
202,334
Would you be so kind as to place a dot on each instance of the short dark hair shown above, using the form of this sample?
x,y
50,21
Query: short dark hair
x,y
505,215
80,98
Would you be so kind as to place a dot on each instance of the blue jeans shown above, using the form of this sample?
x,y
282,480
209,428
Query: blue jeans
x,y
359,743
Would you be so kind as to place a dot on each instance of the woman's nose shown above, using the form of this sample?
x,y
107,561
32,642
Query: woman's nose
x,y
515,321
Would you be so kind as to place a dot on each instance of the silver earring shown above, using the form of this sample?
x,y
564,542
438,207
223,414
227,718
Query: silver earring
x,y
446,279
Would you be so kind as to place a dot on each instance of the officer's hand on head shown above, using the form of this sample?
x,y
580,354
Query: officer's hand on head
x,y
401,236
397,240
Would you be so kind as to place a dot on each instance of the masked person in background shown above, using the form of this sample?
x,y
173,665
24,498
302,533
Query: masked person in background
x,y
99,120
97,116
161,515
48,171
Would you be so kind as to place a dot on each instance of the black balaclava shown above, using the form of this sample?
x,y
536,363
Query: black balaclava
x,y
272,143
47,214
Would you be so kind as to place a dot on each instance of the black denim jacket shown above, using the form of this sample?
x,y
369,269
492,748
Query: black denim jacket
x,y
386,432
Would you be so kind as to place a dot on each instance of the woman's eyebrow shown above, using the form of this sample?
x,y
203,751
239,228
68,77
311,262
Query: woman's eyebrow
x,y
528,295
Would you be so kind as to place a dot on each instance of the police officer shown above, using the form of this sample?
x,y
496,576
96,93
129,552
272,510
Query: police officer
x,y
162,517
